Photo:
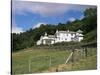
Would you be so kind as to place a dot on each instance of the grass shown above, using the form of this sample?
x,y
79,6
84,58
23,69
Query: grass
x,y
43,60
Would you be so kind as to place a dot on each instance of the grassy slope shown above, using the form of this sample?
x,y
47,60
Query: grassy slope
x,y
20,60
40,63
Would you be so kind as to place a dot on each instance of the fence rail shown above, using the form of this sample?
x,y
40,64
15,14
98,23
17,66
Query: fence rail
x,y
50,61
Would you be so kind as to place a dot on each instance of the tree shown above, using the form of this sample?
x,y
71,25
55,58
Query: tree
x,y
90,12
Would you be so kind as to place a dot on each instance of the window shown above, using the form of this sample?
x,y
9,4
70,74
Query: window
x,y
59,38
57,34
62,38
72,34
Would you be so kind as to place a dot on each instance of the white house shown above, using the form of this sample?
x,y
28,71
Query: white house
x,y
61,36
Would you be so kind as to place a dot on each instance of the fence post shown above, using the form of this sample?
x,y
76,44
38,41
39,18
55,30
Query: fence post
x,y
73,55
72,58
85,52
50,62
69,57
29,64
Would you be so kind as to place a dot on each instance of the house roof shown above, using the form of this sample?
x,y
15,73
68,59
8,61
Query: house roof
x,y
80,35
51,36
79,31
66,32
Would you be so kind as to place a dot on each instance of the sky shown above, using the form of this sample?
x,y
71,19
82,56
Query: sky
x,y
29,14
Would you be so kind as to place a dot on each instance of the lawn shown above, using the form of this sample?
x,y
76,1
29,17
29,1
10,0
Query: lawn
x,y
34,60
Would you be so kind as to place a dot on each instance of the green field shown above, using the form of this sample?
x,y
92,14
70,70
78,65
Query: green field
x,y
34,60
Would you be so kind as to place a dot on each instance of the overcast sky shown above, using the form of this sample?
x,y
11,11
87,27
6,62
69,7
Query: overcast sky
x,y
27,14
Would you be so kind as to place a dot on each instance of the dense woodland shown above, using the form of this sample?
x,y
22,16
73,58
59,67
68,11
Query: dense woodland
x,y
88,25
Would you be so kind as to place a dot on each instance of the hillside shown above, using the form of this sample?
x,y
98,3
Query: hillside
x,y
39,60
88,25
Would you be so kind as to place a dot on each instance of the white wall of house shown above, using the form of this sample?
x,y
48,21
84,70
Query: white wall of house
x,y
52,42
80,38
44,42
62,36
38,42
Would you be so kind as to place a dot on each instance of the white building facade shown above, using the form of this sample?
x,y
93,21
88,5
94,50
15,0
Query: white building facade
x,y
61,36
